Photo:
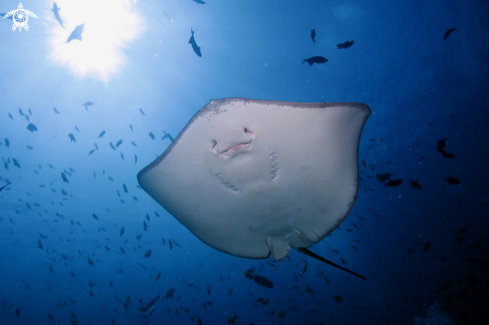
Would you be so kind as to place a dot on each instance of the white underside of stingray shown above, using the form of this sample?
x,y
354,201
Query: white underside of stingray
x,y
254,177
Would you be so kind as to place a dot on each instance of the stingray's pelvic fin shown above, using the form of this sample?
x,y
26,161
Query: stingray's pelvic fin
x,y
322,259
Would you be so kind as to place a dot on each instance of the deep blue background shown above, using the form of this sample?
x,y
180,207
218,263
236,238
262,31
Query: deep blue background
x,y
420,88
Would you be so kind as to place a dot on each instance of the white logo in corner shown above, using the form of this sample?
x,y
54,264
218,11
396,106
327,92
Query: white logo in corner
x,y
20,17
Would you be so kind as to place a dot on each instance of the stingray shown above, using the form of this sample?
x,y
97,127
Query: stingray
x,y
255,177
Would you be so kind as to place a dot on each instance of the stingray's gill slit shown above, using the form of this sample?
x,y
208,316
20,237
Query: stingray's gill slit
x,y
249,133
322,259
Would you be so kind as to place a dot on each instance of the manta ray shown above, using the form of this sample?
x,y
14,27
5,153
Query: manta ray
x,y
255,177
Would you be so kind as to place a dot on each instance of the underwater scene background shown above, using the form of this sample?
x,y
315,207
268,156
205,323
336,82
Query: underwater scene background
x,y
94,91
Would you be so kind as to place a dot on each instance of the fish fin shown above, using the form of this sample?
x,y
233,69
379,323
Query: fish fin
x,y
307,252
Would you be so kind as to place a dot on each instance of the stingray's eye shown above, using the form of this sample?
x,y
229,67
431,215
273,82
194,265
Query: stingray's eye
x,y
214,147
250,134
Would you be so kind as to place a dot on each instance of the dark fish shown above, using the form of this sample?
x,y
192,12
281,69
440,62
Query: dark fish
x,y
111,145
122,231
194,44
308,289
448,32
91,151
199,2
383,177
149,305
55,110
21,112
142,113
447,154
7,143
125,188
1,188
338,298
264,282
452,181
148,253
167,135
130,125
86,104
56,10
77,129
233,317
152,136
415,184
101,135
345,45
135,159
95,216
16,163
427,247
441,145
31,127
462,231
118,143
39,244
77,34
63,176
96,147
72,137
393,182
90,262
315,59
10,116
313,35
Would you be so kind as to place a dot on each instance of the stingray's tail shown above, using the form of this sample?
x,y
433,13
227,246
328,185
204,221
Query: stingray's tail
x,y
322,259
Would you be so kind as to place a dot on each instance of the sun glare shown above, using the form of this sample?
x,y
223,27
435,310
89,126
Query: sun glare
x,y
109,26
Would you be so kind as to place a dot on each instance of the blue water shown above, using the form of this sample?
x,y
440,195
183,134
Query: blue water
x,y
420,88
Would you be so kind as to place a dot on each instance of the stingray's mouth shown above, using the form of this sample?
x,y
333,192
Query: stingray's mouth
x,y
237,147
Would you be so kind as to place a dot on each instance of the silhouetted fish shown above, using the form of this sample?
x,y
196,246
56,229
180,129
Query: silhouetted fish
x,y
142,113
199,2
448,32
56,10
415,184
345,45
76,33
86,104
194,44
313,35
315,59
31,127
55,110
393,182
72,137
452,181
441,144
383,177
447,154
1,188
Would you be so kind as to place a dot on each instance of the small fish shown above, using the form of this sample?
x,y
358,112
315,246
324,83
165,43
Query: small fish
x,y
148,253
118,143
315,59
383,177
393,182
338,298
31,127
39,244
135,159
7,142
91,151
90,262
308,289
134,144
427,247
122,156
195,47
96,147
462,231
199,2
95,216
130,125
441,144
415,184
313,35
77,129
101,135
10,116
56,10
452,181
54,108
447,154
158,275
29,110
233,317
86,104
122,231
77,34
142,113
72,137
448,32
152,136
21,112
16,163
345,45
167,135
111,145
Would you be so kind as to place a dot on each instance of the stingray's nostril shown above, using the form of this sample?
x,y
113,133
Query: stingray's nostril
x,y
249,133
